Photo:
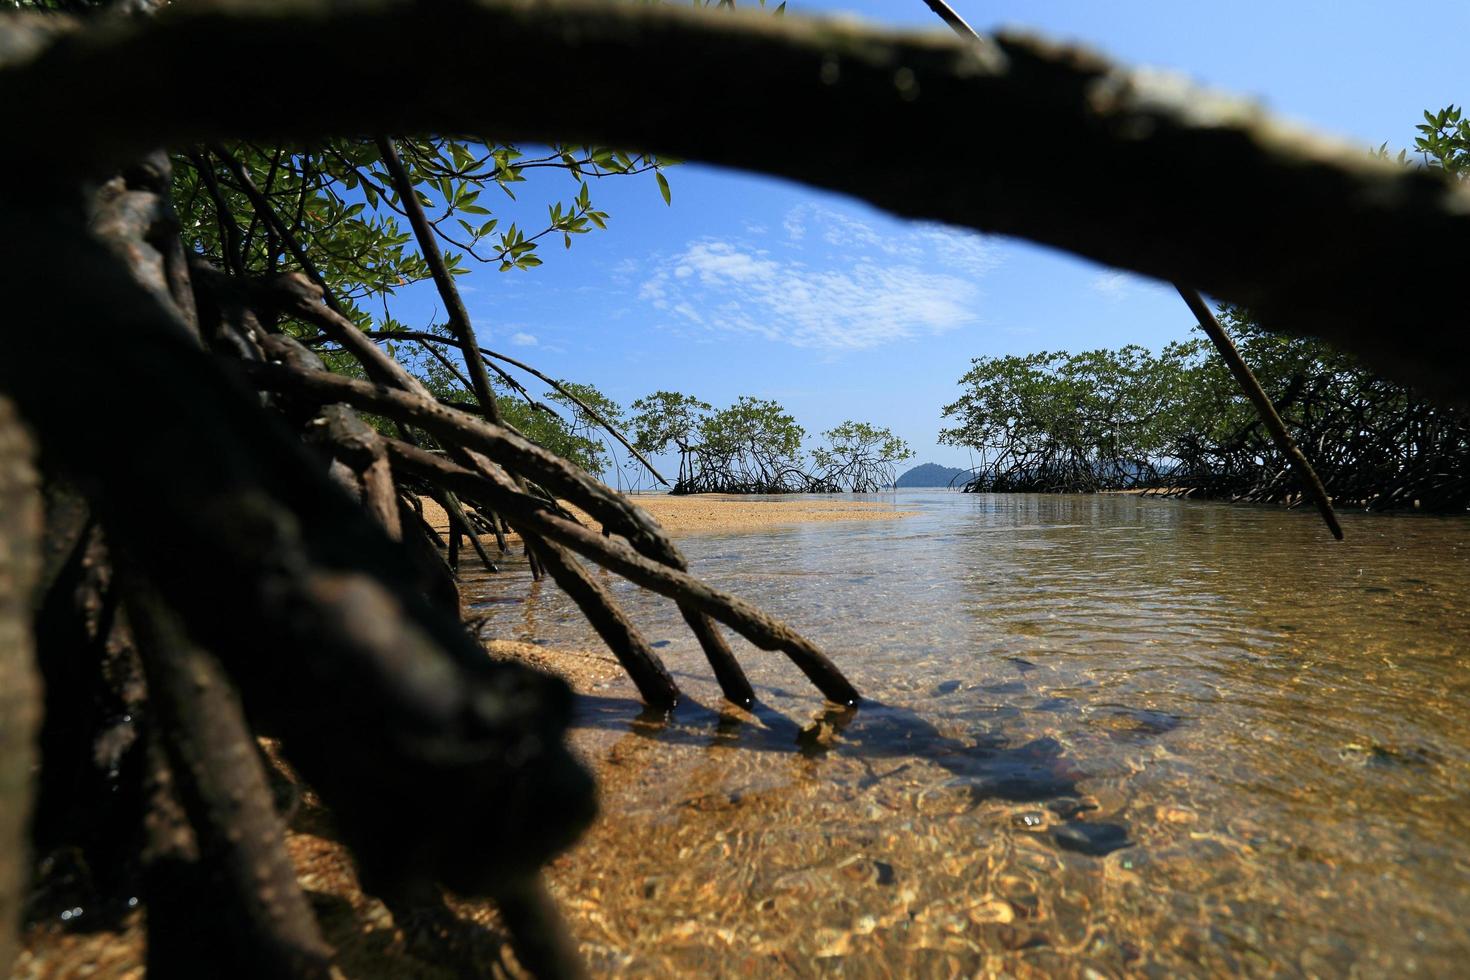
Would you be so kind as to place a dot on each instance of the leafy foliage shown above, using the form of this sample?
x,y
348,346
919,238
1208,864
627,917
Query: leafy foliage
x,y
1112,419
859,458
669,419
1063,422
1107,420
1444,141
336,200
330,209
755,446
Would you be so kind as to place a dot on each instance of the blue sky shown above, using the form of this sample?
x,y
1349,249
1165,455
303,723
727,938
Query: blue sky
x,y
748,285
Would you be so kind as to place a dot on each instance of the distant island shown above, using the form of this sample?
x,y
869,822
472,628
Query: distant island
x,y
934,475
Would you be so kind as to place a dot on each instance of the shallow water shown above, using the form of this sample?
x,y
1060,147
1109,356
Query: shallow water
x,y
1104,736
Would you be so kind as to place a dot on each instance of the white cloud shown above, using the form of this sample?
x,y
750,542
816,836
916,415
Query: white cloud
x,y
795,230
1113,285
866,286
1117,286
523,339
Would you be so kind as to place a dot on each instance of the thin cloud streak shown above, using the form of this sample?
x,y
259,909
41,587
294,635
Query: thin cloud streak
x,y
836,283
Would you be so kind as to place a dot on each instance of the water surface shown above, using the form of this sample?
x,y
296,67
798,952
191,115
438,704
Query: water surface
x,y
1105,735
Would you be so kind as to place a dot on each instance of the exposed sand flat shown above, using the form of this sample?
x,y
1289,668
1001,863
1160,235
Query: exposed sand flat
x,y
584,670
358,926
719,513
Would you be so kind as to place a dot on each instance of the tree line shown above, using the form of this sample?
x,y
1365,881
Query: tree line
x,y
755,446
204,541
1175,420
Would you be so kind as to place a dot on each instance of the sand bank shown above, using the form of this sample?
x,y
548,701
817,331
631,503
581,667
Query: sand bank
x,y
368,943
718,513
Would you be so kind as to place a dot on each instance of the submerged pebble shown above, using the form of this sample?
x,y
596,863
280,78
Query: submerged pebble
x,y
1096,839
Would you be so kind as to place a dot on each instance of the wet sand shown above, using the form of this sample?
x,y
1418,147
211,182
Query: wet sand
x,y
367,941
722,514
591,670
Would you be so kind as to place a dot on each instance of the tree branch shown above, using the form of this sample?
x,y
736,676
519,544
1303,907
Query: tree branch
x,y
1226,347
760,629
20,687
1157,176
425,764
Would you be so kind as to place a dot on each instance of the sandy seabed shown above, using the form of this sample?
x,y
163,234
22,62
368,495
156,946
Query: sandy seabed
x,y
586,670
367,940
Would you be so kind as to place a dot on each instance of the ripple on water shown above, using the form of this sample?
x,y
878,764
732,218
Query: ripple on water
x,y
1106,733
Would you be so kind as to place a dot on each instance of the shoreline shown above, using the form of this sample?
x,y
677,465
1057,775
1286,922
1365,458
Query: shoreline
x,y
714,513
368,942
589,671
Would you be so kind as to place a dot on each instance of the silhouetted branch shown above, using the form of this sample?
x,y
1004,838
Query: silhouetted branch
x,y
1158,176
20,688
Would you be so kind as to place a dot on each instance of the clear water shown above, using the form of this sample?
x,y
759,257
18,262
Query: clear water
x,y
1105,735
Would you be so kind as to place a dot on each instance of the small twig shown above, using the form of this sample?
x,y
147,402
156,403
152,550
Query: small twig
x,y
1262,402
273,220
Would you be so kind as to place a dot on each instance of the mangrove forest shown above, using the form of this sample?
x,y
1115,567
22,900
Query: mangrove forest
x,y
257,528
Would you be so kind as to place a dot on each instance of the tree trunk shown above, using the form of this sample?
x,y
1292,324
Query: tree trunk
x,y
268,927
20,689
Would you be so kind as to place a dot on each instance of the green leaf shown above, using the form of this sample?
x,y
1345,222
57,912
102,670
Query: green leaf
x,y
663,187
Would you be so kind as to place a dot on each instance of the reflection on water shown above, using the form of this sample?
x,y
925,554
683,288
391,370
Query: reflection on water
x,y
1104,734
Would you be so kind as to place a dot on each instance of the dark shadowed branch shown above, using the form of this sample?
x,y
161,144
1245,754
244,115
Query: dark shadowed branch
x,y
1332,242
20,688
1238,368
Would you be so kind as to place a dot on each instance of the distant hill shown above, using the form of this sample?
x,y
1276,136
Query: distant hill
x,y
934,475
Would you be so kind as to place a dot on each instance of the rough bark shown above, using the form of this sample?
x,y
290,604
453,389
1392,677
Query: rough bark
x,y
459,317
509,449
517,454
431,343
1174,182
731,677
525,510
653,681
434,578
89,797
20,688
464,332
268,927
1223,344
460,521
440,765
655,685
